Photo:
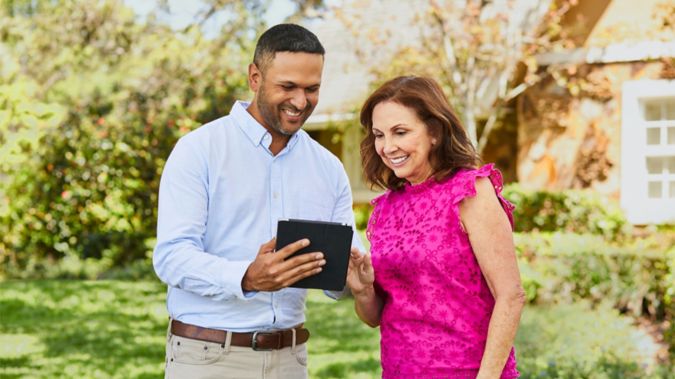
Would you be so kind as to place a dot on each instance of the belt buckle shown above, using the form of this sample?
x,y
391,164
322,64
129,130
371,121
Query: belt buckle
x,y
254,341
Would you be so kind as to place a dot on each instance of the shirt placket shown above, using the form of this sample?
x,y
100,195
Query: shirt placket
x,y
276,213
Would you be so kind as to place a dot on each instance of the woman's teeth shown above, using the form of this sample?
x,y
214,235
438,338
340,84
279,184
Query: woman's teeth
x,y
398,160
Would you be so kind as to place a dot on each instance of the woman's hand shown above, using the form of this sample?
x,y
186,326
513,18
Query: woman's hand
x,y
360,274
360,279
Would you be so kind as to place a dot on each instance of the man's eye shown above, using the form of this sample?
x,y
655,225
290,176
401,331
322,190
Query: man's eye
x,y
312,89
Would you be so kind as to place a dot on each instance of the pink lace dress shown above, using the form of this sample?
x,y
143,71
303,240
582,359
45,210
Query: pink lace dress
x,y
437,304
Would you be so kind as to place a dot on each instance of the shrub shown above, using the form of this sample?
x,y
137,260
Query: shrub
x,y
92,111
569,210
576,341
564,267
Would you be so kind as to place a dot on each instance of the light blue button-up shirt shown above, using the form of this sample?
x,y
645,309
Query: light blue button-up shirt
x,y
221,195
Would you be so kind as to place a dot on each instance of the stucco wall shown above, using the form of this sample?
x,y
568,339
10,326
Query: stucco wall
x,y
569,132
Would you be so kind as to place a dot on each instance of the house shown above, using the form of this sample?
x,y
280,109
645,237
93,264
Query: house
x,y
603,119
608,124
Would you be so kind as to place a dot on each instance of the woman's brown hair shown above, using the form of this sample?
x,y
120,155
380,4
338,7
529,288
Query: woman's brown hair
x,y
425,97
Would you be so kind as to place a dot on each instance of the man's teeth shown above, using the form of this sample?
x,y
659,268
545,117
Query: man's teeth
x,y
398,160
291,113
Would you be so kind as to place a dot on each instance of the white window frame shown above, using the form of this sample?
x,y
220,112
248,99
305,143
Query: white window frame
x,y
639,208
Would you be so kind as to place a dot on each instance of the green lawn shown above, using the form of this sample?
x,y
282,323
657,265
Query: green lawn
x,y
116,329
78,329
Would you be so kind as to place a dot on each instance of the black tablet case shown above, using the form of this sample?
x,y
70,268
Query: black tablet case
x,y
332,239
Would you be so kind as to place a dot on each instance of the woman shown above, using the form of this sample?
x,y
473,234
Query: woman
x,y
443,284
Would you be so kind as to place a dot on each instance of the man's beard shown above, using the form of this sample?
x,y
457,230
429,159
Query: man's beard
x,y
271,113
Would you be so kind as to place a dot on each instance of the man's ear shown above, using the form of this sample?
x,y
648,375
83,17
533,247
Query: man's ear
x,y
254,77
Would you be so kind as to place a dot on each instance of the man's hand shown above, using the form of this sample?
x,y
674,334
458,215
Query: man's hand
x,y
270,271
360,275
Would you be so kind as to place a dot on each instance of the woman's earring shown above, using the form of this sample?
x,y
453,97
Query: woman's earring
x,y
433,142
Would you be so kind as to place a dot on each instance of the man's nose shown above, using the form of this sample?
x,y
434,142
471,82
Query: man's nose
x,y
299,100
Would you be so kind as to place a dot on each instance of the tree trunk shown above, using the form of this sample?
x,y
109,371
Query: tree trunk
x,y
469,119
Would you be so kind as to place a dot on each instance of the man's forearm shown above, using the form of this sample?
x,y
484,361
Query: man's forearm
x,y
186,267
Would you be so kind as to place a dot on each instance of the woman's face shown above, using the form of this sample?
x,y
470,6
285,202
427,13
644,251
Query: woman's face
x,y
402,141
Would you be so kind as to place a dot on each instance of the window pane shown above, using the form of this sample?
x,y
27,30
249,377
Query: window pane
x,y
670,166
671,135
655,190
653,111
672,190
653,136
670,109
655,165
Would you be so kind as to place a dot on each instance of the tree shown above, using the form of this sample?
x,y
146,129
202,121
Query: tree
x,y
483,53
91,102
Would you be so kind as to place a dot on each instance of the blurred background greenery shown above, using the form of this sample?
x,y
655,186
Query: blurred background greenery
x,y
93,98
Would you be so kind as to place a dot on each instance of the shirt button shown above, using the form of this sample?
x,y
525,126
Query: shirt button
x,y
275,195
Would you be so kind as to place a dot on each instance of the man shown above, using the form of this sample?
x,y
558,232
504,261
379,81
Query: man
x,y
223,189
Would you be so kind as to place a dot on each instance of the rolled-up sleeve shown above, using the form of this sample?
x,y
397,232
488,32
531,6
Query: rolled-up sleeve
x,y
179,257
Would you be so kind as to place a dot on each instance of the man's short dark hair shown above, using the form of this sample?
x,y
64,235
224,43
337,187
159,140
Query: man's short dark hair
x,y
285,37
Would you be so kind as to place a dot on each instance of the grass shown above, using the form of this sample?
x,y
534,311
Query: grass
x,y
82,329
116,329
341,346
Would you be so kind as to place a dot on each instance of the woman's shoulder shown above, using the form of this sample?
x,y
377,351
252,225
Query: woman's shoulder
x,y
466,185
466,177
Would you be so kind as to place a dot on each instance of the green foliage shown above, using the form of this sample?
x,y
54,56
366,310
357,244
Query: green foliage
x,y
361,215
669,300
570,211
564,267
92,101
575,341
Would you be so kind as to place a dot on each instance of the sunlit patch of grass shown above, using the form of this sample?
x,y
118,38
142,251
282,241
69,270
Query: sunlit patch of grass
x,y
82,329
15,346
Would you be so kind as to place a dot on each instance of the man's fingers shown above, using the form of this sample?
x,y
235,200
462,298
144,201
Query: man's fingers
x,y
291,248
301,272
300,260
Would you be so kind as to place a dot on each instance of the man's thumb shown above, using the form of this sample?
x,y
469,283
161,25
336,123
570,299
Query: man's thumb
x,y
268,247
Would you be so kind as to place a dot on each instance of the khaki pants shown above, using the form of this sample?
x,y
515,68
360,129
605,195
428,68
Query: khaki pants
x,y
194,359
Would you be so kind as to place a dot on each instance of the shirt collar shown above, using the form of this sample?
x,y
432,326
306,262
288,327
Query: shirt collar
x,y
255,132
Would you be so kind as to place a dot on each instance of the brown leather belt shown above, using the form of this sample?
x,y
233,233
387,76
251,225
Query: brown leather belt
x,y
261,340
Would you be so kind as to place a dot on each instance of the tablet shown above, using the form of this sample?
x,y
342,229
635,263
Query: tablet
x,y
334,240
